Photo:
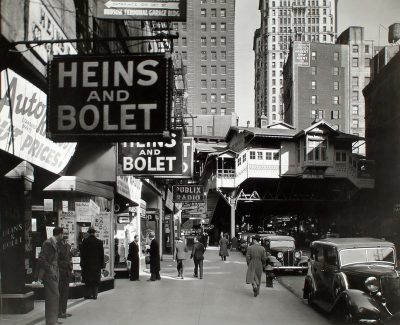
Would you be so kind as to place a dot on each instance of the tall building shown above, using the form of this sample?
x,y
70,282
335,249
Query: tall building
x,y
206,44
283,21
316,85
360,53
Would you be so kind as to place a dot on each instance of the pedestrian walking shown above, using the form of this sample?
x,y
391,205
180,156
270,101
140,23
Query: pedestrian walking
x,y
255,258
204,240
154,259
223,247
49,274
133,257
234,243
180,249
92,261
65,270
198,257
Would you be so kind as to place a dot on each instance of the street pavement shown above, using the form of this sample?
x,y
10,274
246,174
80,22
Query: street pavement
x,y
222,297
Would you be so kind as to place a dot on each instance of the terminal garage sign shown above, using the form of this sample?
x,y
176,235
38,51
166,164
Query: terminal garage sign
x,y
108,98
160,10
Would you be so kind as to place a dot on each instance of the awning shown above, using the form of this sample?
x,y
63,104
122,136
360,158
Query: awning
x,y
76,184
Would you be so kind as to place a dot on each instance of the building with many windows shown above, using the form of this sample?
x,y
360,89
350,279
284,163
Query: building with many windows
x,y
206,44
283,21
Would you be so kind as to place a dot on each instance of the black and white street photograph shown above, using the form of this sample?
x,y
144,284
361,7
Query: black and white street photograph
x,y
199,162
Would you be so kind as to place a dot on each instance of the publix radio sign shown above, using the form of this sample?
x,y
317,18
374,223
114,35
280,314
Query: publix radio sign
x,y
188,193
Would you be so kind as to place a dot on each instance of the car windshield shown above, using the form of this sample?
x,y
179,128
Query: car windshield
x,y
281,243
363,255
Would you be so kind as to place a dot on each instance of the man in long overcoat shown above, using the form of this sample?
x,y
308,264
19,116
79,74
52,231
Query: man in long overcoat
x,y
48,272
181,249
255,258
92,261
198,257
65,269
154,259
223,247
133,256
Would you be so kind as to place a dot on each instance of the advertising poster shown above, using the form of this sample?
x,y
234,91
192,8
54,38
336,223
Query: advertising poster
x,y
301,54
83,213
28,125
66,220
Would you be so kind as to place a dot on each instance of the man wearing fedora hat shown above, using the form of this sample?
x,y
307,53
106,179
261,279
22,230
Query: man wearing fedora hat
x,y
256,258
92,261
154,259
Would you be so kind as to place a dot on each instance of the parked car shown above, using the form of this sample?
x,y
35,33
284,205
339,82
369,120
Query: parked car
x,y
245,241
283,253
355,279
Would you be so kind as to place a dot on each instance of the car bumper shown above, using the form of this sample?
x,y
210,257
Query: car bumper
x,y
296,268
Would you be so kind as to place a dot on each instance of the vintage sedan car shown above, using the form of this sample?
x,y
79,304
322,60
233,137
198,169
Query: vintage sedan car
x,y
245,241
355,279
283,253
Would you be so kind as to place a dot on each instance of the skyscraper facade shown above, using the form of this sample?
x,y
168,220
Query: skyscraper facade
x,y
283,21
206,44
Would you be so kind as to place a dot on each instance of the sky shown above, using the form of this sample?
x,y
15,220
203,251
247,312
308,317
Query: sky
x,y
370,14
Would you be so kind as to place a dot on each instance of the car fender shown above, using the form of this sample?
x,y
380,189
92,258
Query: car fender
x,y
361,304
303,260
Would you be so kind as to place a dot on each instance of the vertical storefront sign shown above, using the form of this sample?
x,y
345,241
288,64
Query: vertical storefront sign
x,y
23,125
102,223
188,150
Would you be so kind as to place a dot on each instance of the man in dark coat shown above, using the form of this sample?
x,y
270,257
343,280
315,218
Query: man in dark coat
x,y
92,261
154,259
133,256
198,257
48,272
65,269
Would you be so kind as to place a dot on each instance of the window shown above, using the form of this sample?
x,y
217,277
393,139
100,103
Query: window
x,y
204,55
203,27
203,2
223,111
223,55
354,96
335,71
223,27
335,115
223,13
330,256
199,130
203,41
203,83
184,27
184,41
313,84
268,155
204,110
223,69
366,48
213,41
210,130
213,2
313,99
367,62
213,98
203,12
313,71
203,69
354,81
259,155
184,55
317,113
204,98
213,55
252,155
213,27
213,69
355,109
276,156
355,48
223,98
336,85
355,123
316,149
335,100
213,12
354,62
223,41
213,110
214,84
313,55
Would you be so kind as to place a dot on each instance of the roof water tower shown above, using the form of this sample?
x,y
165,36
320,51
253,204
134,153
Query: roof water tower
x,y
394,33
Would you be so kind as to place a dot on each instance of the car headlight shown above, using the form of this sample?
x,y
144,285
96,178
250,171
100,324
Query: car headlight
x,y
372,284
297,254
280,255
